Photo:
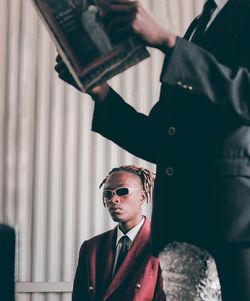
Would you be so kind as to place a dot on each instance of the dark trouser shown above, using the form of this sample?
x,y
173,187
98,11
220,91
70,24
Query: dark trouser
x,y
7,263
233,266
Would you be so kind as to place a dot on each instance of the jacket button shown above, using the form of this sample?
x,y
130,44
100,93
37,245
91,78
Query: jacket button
x,y
179,83
137,285
91,289
171,131
190,88
169,171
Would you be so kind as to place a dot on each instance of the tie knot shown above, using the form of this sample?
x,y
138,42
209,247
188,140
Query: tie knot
x,y
203,20
209,6
125,243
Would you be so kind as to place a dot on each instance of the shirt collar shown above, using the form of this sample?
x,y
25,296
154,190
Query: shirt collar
x,y
220,3
131,233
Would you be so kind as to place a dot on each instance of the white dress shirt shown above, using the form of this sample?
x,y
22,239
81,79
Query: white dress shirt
x,y
220,4
131,235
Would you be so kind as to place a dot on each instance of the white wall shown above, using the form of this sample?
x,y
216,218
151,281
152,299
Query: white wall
x,y
51,164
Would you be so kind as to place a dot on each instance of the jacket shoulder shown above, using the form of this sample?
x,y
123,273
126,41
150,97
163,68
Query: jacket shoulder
x,y
97,240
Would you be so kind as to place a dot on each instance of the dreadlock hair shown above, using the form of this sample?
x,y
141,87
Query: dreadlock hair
x,y
146,176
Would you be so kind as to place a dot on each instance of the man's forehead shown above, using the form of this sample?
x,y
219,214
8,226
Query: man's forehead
x,y
121,178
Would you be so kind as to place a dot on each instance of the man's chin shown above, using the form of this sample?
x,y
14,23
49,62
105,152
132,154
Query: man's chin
x,y
116,219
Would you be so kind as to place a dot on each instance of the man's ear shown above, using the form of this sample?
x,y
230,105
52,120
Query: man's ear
x,y
143,197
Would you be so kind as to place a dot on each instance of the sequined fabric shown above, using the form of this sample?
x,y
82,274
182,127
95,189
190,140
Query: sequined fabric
x,y
189,273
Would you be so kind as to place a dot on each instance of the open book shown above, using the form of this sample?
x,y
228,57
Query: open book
x,y
84,45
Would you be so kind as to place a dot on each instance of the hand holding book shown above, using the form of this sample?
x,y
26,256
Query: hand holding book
x,y
124,17
79,31
97,93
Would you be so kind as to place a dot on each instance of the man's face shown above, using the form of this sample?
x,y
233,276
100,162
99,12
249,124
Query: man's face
x,y
125,209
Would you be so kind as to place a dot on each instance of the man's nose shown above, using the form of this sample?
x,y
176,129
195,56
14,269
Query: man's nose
x,y
114,198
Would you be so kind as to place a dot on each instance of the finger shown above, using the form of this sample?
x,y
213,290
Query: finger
x,y
62,70
67,77
121,34
122,8
113,23
124,2
58,58
59,66
118,8
118,11
64,74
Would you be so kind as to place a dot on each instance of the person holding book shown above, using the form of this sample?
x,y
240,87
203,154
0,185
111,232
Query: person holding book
x,y
198,133
117,265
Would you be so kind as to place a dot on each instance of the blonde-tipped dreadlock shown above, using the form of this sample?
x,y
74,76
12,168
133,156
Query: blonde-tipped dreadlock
x,y
146,176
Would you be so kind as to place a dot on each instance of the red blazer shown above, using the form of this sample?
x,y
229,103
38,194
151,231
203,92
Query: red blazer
x,y
138,279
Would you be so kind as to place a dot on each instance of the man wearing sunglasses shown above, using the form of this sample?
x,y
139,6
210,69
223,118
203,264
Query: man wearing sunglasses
x,y
198,133
117,265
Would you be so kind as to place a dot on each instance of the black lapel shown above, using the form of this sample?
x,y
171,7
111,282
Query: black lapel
x,y
226,16
191,28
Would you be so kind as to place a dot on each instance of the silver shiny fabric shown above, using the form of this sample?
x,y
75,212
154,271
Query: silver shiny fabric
x,y
189,273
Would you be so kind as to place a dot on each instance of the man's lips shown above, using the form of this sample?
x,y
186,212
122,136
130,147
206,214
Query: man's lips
x,y
115,209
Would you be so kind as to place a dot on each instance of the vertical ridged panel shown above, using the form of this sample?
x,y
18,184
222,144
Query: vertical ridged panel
x,y
3,79
51,164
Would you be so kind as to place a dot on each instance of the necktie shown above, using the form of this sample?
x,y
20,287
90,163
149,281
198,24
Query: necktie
x,y
123,251
205,16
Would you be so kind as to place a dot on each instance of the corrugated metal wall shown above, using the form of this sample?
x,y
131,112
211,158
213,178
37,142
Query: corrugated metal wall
x,y
51,164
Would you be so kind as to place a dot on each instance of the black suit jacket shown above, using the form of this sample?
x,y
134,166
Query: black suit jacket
x,y
198,134
7,262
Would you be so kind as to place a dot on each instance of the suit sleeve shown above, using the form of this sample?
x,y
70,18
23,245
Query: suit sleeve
x,y
80,286
196,70
133,131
